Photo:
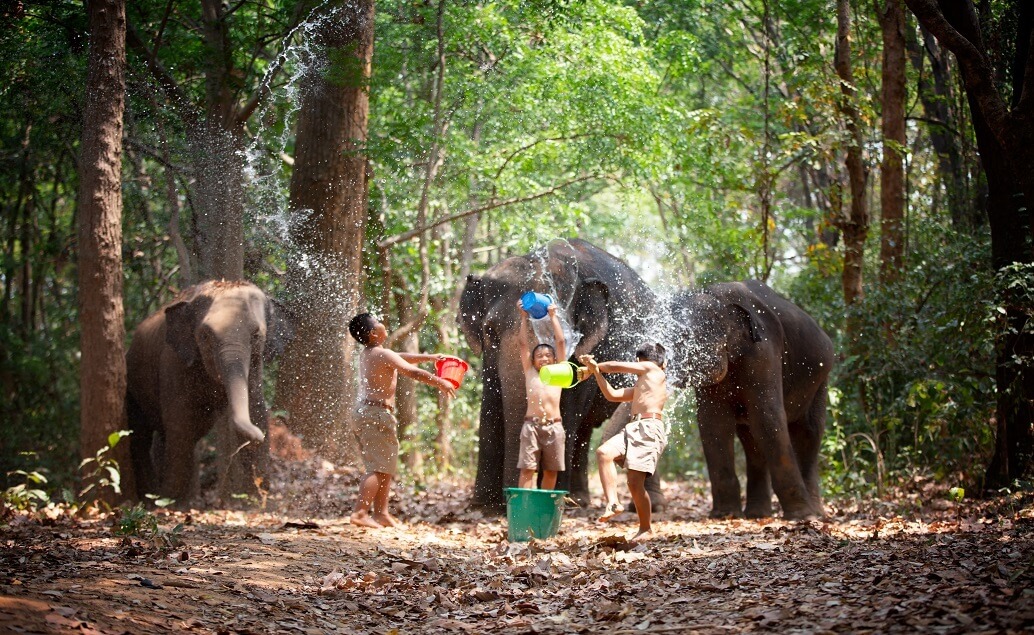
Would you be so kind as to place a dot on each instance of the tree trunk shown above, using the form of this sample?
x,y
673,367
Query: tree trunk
x,y
217,146
938,105
1005,137
103,370
329,184
855,226
892,168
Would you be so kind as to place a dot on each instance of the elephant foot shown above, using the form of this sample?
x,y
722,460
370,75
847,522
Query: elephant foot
x,y
803,515
658,503
757,512
580,498
489,508
717,513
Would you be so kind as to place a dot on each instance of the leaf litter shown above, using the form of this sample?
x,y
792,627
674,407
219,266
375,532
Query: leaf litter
x,y
889,566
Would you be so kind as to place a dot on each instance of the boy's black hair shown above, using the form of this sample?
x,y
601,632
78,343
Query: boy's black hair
x,y
361,326
652,352
549,346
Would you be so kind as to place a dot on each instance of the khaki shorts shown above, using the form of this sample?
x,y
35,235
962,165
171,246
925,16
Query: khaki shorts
x,y
542,447
640,443
377,433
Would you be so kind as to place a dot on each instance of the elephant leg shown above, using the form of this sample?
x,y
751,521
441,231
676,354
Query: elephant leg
x,y
806,436
717,436
140,444
578,441
769,427
759,487
488,483
180,474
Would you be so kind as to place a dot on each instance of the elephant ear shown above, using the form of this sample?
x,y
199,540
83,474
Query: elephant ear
x,y
279,329
589,314
471,316
749,317
180,324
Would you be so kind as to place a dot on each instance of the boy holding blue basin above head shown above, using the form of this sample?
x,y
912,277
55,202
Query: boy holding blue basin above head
x,y
644,438
375,426
542,436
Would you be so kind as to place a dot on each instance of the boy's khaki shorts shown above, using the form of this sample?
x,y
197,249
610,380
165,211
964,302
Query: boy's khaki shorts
x,y
377,432
545,441
640,443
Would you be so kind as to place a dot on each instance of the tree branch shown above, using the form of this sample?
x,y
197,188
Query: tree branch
x,y
398,238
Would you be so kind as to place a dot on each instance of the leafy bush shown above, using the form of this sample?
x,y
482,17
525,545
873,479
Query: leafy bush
x,y
916,386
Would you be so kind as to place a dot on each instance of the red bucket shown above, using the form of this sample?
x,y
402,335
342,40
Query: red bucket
x,y
451,369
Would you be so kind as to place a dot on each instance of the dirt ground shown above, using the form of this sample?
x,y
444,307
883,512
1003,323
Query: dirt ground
x,y
917,563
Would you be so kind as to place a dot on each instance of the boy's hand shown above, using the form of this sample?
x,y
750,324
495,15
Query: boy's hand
x,y
520,305
551,309
446,387
590,362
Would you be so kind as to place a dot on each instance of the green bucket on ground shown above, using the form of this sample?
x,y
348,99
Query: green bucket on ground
x,y
533,513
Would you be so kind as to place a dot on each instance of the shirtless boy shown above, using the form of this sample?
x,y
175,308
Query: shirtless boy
x,y
375,424
643,440
542,436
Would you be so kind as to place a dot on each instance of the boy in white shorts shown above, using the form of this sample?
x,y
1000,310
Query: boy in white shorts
x,y
644,438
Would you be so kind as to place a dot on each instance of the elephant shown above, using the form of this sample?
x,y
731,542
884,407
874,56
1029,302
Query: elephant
x,y
196,364
759,364
603,300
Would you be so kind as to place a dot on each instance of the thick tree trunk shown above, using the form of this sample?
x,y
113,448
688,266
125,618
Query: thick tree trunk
x,y
892,168
855,227
1005,137
103,370
219,170
329,185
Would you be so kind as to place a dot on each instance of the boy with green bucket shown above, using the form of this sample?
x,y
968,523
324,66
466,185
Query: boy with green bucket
x,y
542,436
643,440
375,426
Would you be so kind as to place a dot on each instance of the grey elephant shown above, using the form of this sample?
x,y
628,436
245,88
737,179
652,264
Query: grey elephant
x,y
760,365
603,300
193,365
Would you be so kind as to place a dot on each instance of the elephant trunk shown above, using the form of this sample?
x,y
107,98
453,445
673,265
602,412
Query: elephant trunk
x,y
234,369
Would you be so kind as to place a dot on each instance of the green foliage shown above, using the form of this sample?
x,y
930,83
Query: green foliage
x,y
137,521
101,470
918,384
140,522
26,496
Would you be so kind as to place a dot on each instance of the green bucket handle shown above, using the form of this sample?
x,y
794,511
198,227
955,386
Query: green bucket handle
x,y
562,374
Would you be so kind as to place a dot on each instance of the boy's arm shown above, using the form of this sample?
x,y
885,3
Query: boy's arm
x,y
397,362
632,368
558,334
611,393
420,358
522,337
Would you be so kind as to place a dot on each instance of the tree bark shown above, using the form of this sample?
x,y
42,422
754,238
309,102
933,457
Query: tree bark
x,y
935,92
217,146
329,185
1005,137
855,227
892,168
103,370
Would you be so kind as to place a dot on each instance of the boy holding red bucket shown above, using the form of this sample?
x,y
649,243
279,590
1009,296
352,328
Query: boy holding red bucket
x,y
375,424
542,436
